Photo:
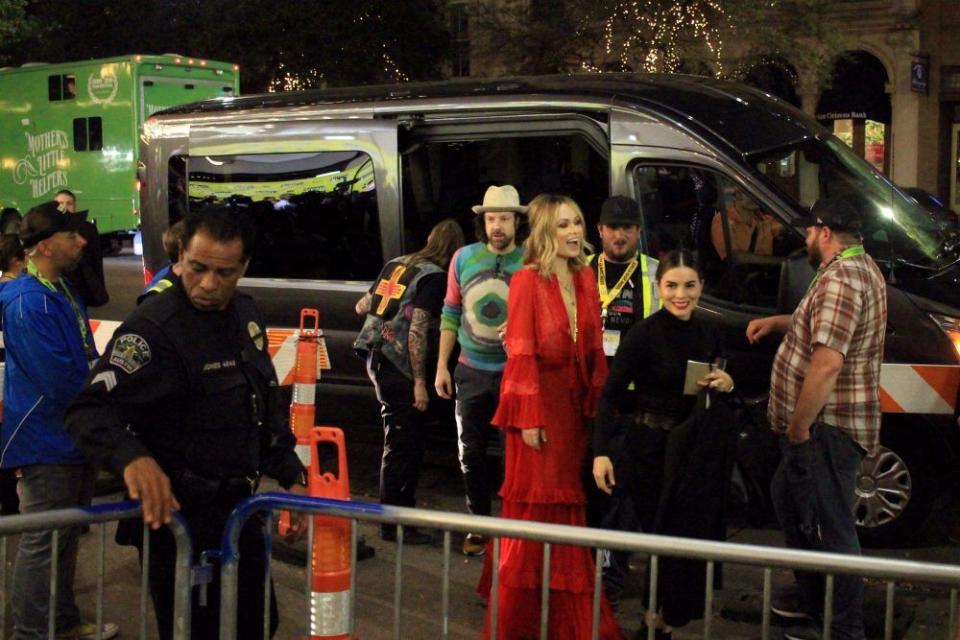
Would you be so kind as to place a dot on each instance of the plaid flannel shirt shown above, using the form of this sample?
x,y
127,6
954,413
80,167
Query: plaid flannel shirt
x,y
845,310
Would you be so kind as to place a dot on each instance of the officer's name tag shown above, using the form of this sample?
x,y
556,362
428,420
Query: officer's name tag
x,y
611,341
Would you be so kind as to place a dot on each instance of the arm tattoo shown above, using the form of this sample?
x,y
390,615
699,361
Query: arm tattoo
x,y
417,343
363,305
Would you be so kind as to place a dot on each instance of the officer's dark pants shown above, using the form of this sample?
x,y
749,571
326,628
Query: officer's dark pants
x,y
813,492
478,393
206,526
404,431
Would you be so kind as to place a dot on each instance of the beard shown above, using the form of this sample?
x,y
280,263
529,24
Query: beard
x,y
620,254
814,256
502,242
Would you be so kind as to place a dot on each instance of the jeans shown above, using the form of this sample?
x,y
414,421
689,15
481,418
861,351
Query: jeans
x,y
44,488
478,393
404,433
813,494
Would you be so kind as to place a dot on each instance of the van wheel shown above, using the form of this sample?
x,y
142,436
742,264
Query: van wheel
x,y
895,491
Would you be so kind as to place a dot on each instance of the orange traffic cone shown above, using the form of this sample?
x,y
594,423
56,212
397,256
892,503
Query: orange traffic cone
x,y
303,409
330,614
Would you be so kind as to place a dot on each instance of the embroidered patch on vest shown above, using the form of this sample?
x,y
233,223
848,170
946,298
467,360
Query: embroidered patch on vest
x,y
256,334
130,352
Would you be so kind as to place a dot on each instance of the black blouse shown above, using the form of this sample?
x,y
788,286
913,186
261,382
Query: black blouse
x,y
653,356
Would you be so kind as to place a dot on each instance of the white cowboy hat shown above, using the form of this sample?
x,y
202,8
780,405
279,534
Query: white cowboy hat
x,y
503,198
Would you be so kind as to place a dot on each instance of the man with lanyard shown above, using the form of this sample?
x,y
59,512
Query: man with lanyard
x,y
625,279
49,351
825,401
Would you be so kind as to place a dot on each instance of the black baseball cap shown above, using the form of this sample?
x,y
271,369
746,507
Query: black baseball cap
x,y
619,210
843,213
44,220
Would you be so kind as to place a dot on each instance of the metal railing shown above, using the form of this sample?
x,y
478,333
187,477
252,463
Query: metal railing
x,y
59,519
830,564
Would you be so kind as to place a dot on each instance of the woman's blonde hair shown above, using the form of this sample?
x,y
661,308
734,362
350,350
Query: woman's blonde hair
x,y
541,247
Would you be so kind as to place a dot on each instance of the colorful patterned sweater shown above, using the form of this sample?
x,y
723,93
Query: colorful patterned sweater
x,y
476,303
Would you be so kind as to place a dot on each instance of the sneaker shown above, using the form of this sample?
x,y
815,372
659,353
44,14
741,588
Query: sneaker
x,y
364,551
786,604
474,545
88,631
801,632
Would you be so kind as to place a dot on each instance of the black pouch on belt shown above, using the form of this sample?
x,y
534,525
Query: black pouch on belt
x,y
196,489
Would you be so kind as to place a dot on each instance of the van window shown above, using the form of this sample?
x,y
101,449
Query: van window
x,y
316,213
741,246
445,178
898,233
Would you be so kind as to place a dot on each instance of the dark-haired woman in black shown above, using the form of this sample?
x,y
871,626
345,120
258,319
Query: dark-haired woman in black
x,y
647,376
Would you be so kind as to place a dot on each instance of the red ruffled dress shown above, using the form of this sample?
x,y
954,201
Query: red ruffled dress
x,y
550,382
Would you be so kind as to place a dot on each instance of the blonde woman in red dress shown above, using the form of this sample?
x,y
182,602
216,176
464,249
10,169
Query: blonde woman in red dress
x,y
554,374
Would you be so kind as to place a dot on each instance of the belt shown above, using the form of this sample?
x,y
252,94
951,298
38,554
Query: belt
x,y
658,420
239,485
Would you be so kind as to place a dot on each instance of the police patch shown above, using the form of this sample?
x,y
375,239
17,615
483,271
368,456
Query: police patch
x,y
130,352
256,334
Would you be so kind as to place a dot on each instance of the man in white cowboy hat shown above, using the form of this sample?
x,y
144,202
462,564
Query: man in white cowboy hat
x,y
474,311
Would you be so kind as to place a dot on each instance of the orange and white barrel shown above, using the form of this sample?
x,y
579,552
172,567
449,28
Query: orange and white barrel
x,y
330,614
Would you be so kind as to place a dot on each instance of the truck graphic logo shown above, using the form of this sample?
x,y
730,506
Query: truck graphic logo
x,y
102,89
44,162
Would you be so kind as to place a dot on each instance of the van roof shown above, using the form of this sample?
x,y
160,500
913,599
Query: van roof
x,y
744,118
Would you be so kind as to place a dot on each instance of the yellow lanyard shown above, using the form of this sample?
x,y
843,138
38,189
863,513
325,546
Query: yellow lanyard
x,y
81,321
851,252
606,297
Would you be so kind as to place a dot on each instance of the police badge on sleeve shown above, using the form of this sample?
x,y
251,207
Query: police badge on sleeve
x,y
130,352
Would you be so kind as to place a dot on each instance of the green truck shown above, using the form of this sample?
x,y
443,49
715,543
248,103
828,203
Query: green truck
x,y
76,126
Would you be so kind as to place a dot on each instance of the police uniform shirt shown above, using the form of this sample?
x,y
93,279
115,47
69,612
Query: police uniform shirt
x,y
194,389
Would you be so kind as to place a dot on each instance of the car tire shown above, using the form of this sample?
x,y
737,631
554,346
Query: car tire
x,y
896,489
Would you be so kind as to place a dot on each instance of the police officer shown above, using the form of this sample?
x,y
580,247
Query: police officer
x,y
184,404
164,278
625,282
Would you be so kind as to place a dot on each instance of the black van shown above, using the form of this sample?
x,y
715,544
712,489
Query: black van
x,y
342,180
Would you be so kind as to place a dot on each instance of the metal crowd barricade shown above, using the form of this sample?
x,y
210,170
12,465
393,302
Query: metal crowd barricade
x,y
102,514
830,564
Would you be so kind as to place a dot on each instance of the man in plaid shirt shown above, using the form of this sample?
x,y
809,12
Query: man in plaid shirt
x,y
825,401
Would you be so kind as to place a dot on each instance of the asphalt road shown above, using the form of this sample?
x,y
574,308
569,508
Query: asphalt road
x,y
921,611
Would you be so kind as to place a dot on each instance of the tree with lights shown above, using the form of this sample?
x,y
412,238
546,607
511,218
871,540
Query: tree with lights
x,y
722,38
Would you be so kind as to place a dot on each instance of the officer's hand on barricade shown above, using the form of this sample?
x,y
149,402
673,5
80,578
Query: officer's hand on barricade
x,y
298,520
147,483
443,383
603,474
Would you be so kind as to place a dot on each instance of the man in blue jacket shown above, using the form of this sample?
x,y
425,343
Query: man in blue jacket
x,y
49,350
